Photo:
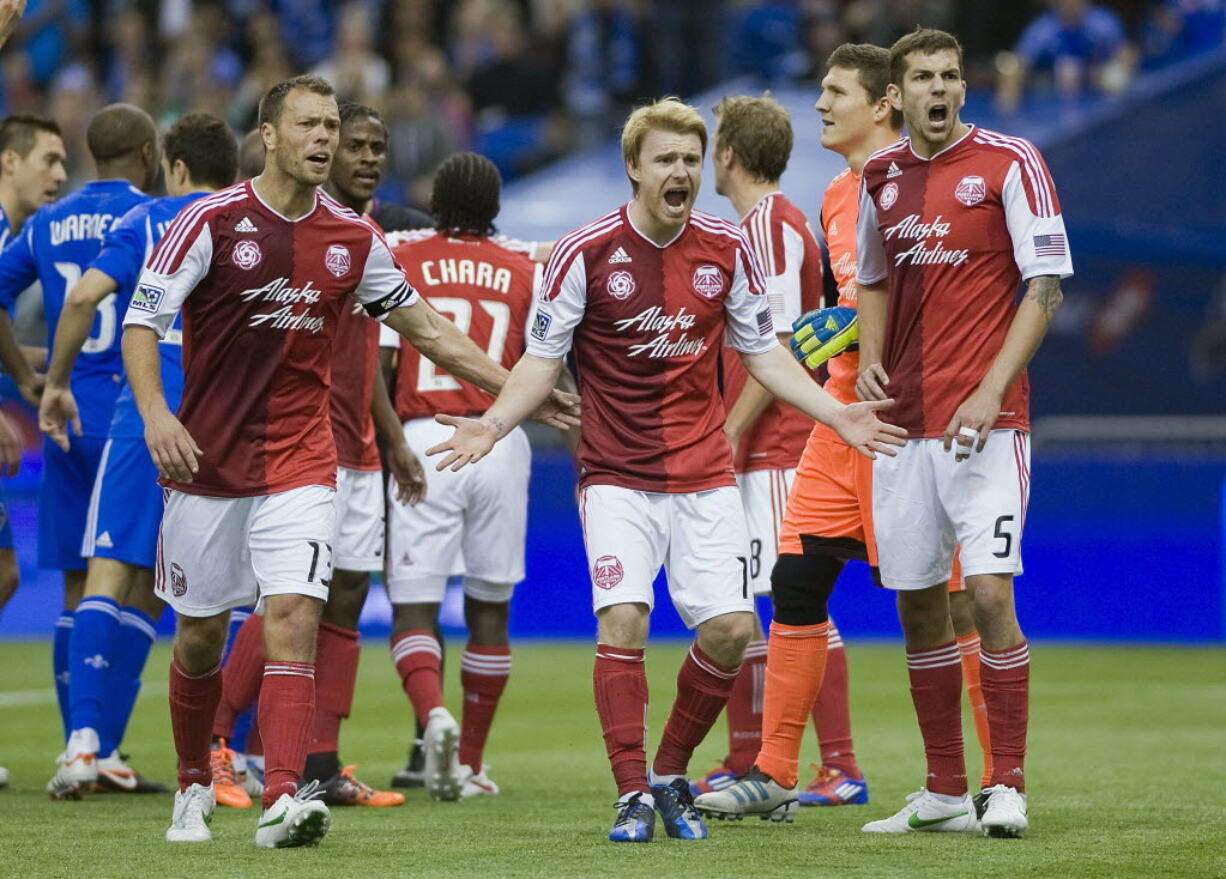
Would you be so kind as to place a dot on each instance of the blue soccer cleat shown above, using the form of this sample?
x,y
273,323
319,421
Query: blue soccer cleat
x,y
636,821
833,787
675,804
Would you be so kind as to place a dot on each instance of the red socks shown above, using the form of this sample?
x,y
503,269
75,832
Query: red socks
x,y
745,710
419,661
832,711
1006,691
702,691
336,674
620,684
193,702
936,690
483,675
287,709
241,677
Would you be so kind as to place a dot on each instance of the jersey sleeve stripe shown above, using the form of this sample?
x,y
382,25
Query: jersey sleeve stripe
x,y
569,245
1040,184
760,238
179,237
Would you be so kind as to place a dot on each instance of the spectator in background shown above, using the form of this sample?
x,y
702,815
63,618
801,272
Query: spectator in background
x,y
881,22
354,69
129,71
200,72
1080,46
308,29
47,33
420,139
764,39
270,64
606,59
686,39
1179,29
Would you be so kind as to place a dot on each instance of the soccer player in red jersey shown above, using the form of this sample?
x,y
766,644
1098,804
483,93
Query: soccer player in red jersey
x,y
261,272
752,145
472,523
647,295
952,220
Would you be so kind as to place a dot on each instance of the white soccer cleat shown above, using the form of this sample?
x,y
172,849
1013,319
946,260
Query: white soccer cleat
x,y
924,813
193,812
1005,815
479,784
755,794
299,820
4,777
115,772
445,777
76,768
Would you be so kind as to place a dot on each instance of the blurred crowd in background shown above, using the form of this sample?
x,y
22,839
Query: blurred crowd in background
x,y
524,81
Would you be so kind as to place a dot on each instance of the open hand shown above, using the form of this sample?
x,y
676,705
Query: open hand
x,y
56,411
471,442
860,428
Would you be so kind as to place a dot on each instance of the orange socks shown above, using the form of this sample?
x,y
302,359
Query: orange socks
x,y
795,664
968,649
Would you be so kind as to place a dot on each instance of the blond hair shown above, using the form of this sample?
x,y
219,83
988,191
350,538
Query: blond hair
x,y
759,132
667,114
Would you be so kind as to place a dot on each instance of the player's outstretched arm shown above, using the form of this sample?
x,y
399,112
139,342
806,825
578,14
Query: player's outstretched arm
x,y
748,407
172,448
857,424
58,408
979,412
872,302
404,466
531,382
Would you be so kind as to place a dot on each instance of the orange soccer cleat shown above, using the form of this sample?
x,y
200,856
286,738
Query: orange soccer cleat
x,y
346,790
225,785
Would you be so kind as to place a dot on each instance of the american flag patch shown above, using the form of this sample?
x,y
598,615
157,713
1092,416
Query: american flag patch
x,y
766,326
1049,245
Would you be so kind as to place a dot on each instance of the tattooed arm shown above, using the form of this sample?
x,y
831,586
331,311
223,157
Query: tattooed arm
x,y
981,409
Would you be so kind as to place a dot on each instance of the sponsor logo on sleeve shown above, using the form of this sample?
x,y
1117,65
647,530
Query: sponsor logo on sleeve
x,y
540,325
971,190
607,571
337,260
621,285
147,297
708,281
247,255
889,195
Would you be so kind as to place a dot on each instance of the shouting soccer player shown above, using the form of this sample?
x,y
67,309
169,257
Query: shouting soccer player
x,y
952,219
648,293
261,272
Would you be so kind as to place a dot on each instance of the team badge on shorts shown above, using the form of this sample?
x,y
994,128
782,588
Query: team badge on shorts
x,y
607,572
621,285
708,281
889,195
971,190
178,580
337,260
247,255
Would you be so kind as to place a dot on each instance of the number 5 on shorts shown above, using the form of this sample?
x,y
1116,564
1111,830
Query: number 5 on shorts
x,y
1001,534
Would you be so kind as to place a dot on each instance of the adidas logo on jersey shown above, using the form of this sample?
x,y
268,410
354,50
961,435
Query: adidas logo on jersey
x,y
894,171
245,225
104,540
620,255
834,228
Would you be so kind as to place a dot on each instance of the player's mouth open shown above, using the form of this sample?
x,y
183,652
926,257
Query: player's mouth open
x,y
676,197
319,160
937,114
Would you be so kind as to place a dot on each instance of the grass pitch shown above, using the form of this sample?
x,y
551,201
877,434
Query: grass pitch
x,y
1126,773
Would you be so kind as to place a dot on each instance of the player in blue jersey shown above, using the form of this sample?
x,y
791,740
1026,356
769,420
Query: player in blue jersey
x,y
54,247
199,156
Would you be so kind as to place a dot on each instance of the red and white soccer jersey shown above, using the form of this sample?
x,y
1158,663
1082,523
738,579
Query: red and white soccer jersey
x,y
791,262
261,297
355,359
955,235
647,323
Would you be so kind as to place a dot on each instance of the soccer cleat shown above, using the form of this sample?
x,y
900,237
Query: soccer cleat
x,y
981,803
925,813
478,784
4,777
444,776
675,804
1004,817
833,787
115,776
300,820
248,775
76,768
192,815
636,820
346,790
717,779
225,783
755,794
414,772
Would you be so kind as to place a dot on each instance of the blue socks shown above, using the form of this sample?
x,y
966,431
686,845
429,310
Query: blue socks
x,y
59,666
130,648
91,655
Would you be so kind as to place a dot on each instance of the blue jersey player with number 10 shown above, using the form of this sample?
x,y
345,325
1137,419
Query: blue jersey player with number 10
x,y
54,247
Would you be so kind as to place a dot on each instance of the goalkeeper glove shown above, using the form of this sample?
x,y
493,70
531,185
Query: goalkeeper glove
x,y
823,333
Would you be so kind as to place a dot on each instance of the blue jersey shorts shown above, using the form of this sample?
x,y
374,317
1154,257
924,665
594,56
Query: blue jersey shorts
x,y
63,501
125,510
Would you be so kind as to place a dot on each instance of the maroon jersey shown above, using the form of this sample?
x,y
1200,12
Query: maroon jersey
x,y
486,290
261,298
791,260
355,359
954,235
647,323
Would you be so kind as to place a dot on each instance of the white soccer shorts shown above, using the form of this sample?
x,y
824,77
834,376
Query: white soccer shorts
x,y
925,503
473,522
219,553
699,538
765,496
359,520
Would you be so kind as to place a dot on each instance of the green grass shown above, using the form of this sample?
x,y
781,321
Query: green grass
x,y
1127,774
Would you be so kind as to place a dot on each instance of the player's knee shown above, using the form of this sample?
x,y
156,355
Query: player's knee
x,y
961,613
924,616
290,625
486,621
346,597
801,586
199,642
724,637
414,617
623,625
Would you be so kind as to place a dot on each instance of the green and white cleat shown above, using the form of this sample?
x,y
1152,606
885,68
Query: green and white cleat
x,y
925,813
193,812
300,820
1005,814
754,794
